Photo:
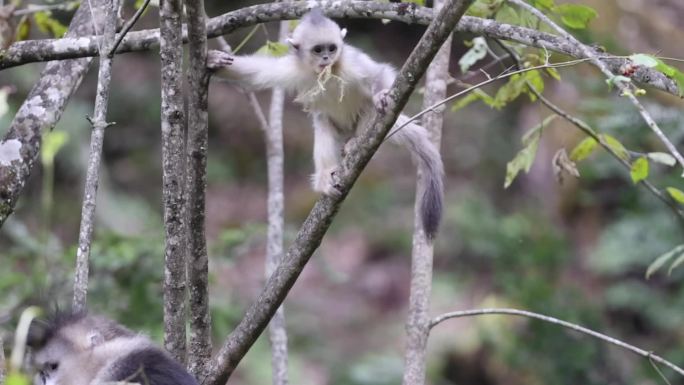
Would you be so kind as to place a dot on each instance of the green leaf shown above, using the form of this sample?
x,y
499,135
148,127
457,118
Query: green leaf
x,y
23,29
17,378
47,24
53,141
476,53
553,73
507,15
676,194
273,48
672,73
524,158
417,2
575,16
639,170
476,94
535,81
484,8
662,157
643,59
548,4
615,145
583,149
662,260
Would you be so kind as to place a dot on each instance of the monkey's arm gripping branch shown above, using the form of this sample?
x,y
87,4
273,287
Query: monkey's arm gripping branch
x,y
255,72
315,226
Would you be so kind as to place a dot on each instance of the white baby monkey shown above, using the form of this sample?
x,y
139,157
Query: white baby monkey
x,y
340,87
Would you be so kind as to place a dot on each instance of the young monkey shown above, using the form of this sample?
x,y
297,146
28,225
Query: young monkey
x,y
79,349
340,87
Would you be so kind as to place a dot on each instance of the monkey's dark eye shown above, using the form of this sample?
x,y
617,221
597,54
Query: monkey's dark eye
x,y
318,48
332,47
52,366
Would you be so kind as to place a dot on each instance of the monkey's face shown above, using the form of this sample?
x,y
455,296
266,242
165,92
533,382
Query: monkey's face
x,y
322,55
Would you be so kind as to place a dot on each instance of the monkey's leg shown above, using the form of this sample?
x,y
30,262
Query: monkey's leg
x,y
326,155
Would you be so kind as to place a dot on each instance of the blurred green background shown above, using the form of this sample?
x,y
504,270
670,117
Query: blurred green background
x,y
576,251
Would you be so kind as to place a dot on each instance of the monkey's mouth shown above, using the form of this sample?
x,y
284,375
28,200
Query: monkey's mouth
x,y
322,67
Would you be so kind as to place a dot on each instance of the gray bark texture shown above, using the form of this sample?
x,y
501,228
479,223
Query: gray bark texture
x,y
418,318
99,123
195,184
316,224
51,49
41,110
173,161
277,332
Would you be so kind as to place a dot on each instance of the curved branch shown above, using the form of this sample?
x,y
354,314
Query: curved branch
x,y
317,223
581,329
55,49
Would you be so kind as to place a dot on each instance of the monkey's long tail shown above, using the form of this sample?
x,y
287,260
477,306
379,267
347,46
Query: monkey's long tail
x,y
427,157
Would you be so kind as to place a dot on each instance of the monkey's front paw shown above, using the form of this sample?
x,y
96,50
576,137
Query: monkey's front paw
x,y
325,182
380,100
218,59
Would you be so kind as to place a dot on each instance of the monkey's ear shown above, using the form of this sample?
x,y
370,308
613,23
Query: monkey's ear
x,y
343,33
293,44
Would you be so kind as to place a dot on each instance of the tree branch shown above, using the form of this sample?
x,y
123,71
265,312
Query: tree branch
x,y
99,123
614,341
196,185
418,318
320,217
3,362
173,164
53,49
624,90
42,110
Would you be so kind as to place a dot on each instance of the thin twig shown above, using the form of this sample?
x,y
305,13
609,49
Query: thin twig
x,y
586,129
609,74
504,75
3,363
99,123
127,27
523,313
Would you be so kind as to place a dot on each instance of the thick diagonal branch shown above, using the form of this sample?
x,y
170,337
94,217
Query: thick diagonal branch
x,y
315,226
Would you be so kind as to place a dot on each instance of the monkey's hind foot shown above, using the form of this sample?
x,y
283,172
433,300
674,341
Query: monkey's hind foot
x,y
218,59
325,182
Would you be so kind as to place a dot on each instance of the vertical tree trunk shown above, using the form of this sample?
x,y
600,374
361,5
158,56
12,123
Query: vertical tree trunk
x,y
418,320
173,158
99,123
277,331
196,183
